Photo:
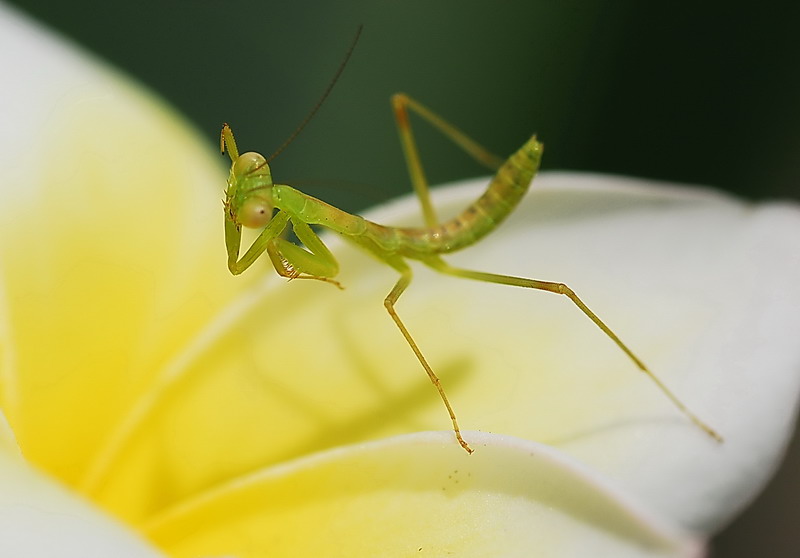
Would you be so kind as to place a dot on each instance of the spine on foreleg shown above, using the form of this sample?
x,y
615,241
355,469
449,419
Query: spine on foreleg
x,y
501,197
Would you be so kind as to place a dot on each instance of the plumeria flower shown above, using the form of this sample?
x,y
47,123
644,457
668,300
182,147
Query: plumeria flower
x,y
154,405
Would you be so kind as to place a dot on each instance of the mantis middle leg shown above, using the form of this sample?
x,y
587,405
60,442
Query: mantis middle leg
x,y
560,288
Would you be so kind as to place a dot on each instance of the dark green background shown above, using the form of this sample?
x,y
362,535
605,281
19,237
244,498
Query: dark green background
x,y
692,92
695,92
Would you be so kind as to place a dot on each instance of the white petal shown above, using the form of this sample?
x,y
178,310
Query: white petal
x,y
111,254
676,272
419,495
40,518
705,288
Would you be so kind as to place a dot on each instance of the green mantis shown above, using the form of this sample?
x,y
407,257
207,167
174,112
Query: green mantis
x,y
253,200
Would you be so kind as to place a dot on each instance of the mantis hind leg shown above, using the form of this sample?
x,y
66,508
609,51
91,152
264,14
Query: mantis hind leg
x,y
560,288
389,302
401,103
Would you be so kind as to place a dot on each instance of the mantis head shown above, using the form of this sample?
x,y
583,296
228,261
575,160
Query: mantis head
x,y
248,198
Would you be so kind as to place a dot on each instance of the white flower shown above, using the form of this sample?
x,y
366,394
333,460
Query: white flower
x,y
241,416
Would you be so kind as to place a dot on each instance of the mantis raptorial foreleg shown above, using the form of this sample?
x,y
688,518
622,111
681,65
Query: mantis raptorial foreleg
x,y
233,237
560,288
289,260
292,261
389,302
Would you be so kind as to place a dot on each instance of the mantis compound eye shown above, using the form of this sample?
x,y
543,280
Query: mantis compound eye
x,y
250,163
255,213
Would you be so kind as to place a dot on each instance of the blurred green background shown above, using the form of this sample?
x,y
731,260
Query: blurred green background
x,y
692,92
695,92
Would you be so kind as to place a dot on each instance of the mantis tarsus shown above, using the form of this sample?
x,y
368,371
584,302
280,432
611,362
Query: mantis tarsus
x,y
252,200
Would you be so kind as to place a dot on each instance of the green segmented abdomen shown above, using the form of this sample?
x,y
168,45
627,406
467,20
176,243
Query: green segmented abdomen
x,y
505,191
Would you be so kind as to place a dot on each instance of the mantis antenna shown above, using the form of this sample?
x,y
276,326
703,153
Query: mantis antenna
x,y
327,92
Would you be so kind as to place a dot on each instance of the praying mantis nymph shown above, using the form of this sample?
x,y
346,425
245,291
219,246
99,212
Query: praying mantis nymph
x,y
253,200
